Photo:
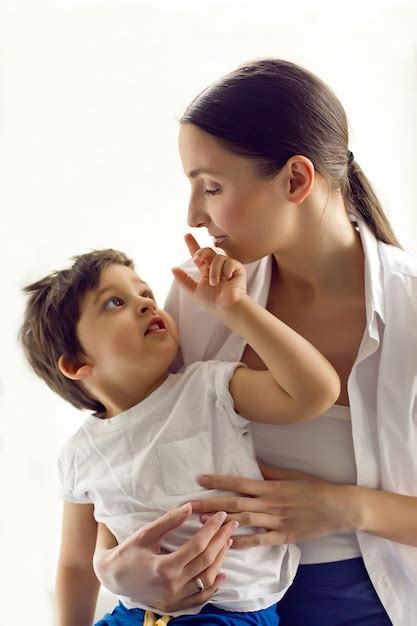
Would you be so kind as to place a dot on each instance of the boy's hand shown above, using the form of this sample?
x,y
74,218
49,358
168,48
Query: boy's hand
x,y
222,280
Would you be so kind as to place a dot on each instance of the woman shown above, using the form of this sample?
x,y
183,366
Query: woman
x,y
274,182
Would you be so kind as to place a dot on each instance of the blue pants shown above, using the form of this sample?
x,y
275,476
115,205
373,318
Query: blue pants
x,y
209,615
332,594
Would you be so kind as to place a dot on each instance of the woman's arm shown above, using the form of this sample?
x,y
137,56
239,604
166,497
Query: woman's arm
x,y
76,584
385,514
294,507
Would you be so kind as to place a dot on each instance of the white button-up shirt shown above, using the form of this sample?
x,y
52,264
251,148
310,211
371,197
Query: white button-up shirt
x,y
382,390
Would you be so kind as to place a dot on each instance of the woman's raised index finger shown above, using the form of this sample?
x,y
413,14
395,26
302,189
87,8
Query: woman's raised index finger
x,y
192,243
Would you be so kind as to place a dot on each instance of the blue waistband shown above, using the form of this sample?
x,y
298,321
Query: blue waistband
x,y
347,571
209,614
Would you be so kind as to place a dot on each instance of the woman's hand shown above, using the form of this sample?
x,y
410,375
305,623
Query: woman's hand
x,y
222,281
291,506
136,568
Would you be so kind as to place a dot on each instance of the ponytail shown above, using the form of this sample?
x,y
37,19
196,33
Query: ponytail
x,y
361,195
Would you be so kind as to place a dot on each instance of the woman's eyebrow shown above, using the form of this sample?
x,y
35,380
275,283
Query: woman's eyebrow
x,y
201,170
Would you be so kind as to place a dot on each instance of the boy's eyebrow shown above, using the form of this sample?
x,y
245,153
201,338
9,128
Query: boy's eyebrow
x,y
100,292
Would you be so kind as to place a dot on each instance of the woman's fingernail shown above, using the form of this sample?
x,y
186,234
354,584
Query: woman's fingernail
x,y
185,508
203,481
221,516
196,506
229,542
234,525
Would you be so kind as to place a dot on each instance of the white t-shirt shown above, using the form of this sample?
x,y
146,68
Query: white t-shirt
x,y
382,389
322,447
145,461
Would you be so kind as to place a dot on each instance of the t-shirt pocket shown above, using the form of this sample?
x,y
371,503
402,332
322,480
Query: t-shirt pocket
x,y
183,461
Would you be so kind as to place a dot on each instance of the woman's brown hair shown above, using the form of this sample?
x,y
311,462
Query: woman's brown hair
x,y
270,110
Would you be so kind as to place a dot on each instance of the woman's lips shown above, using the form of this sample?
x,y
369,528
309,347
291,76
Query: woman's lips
x,y
219,240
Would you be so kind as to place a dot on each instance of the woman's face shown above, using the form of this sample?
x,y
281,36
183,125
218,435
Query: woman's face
x,y
248,216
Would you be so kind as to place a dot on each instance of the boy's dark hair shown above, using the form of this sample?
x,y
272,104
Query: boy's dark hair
x,y
270,110
52,312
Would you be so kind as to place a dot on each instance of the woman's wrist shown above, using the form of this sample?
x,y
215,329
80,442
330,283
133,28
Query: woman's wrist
x,y
389,515
105,567
346,501
385,514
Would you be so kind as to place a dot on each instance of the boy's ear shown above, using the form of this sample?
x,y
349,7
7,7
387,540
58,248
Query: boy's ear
x,y
72,371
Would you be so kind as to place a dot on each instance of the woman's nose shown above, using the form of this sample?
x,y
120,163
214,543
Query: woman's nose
x,y
196,215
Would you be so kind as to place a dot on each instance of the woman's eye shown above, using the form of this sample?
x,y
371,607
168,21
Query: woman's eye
x,y
212,192
114,300
147,294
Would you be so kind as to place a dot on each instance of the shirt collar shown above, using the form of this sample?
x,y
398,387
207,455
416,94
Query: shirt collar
x,y
374,290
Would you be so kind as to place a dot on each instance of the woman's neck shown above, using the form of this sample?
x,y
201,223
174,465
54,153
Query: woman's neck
x,y
326,261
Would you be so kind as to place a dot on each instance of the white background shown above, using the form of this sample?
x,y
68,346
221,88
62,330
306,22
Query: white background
x,y
90,95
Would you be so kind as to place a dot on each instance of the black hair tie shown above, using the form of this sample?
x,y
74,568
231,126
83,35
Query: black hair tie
x,y
351,157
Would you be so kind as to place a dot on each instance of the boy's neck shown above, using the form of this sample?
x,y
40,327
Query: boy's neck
x,y
121,400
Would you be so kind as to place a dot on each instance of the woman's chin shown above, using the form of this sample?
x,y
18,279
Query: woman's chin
x,y
246,258
243,256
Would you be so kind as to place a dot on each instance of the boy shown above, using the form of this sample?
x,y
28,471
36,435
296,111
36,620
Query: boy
x,y
95,334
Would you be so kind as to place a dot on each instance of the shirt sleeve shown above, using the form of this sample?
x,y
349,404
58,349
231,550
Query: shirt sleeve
x,y
67,473
221,374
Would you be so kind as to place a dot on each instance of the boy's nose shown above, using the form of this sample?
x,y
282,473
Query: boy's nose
x,y
145,306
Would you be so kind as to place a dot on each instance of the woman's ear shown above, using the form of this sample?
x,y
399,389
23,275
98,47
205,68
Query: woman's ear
x,y
301,175
72,371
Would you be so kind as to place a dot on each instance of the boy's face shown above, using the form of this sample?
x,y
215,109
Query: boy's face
x,y
127,339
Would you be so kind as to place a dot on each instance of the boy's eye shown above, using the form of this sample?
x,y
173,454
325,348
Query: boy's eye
x,y
118,302
212,192
114,300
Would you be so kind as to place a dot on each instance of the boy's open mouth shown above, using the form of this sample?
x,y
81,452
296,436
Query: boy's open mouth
x,y
155,325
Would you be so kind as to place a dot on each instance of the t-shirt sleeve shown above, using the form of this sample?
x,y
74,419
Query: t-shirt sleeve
x,y
67,474
221,374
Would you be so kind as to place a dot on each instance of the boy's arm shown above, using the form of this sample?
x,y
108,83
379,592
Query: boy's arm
x,y
300,382
77,586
